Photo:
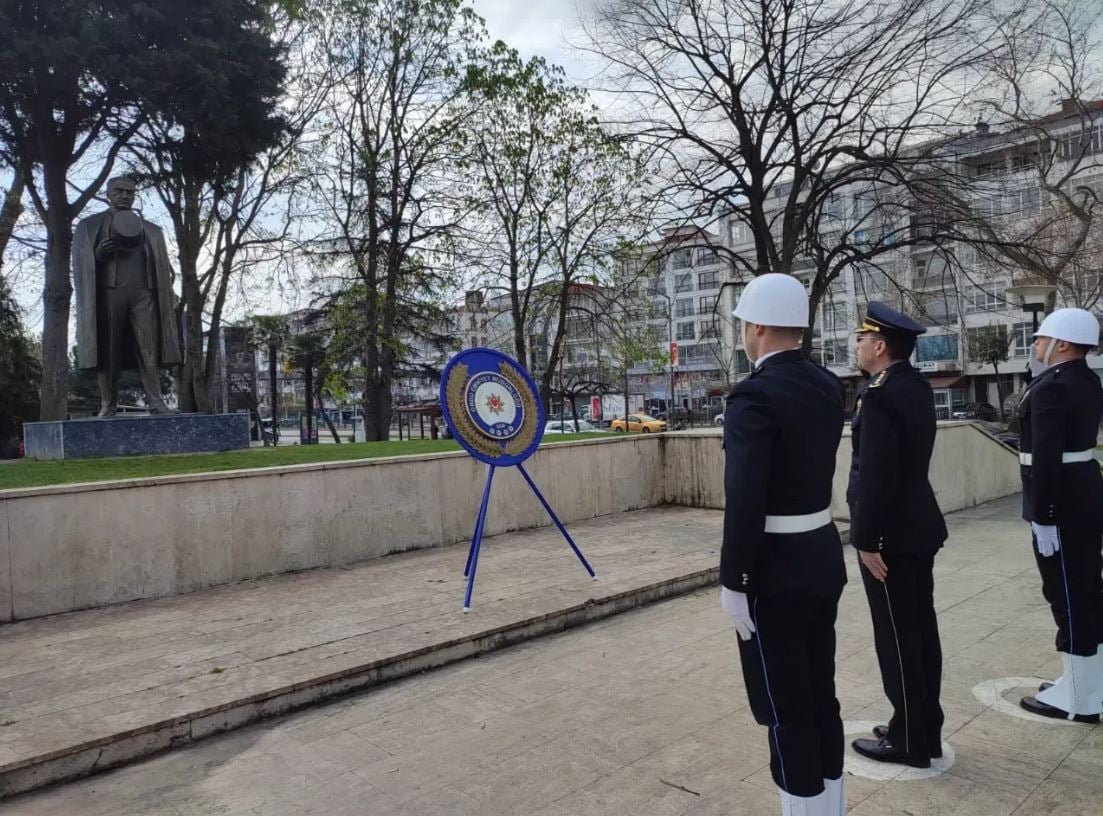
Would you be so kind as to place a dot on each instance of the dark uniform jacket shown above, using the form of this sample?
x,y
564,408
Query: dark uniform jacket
x,y
1060,412
781,434
892,505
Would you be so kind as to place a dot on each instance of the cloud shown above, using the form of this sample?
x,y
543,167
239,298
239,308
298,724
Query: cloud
x,y
544,28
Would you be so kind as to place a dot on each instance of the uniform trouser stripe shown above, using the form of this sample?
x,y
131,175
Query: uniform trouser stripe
x,y
770,695
1068,597
900,660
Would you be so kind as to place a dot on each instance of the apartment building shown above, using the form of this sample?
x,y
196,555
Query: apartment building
x,y
960,295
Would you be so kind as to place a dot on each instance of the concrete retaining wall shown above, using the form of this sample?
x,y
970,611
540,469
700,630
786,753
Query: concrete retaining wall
x,y
82,546
969,467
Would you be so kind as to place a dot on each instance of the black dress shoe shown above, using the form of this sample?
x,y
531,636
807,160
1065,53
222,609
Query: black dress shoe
x,y
882,750
882,731
1035,706
1045,685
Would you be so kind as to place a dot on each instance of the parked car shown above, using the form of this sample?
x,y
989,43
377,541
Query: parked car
x,y
568,426
976,410
676,419
638,423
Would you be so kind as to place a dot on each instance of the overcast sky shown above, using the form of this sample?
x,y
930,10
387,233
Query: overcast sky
x,y
538,28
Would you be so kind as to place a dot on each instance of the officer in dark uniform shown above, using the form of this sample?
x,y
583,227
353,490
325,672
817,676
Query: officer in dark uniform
x,y
897,528
1063,501
781,566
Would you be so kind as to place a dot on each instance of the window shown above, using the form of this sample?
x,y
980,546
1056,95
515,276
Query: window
x,y
701,353
683,283
836,317
709,331
988,205
742,362
1081,143
707,257
863,205
836,353
1024,201
986,298
682,259
942,309
686,331
708,280
740,232
992,168
1027,161
936,347
1023,334
683,307
706,305
656,286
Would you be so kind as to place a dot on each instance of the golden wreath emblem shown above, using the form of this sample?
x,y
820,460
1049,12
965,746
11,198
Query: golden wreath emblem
x,y
457,385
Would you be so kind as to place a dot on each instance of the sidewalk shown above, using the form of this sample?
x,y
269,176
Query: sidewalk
x,y
645,714
88,690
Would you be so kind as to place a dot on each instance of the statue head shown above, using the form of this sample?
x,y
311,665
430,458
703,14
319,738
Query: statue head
x,y
121,192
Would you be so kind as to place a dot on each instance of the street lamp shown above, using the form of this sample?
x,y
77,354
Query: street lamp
x,y
1033,298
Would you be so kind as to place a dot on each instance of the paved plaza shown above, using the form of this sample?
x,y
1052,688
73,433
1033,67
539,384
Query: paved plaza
x,y
638,715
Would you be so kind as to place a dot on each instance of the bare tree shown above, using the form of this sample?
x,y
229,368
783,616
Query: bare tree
x,y
1030,195
796,120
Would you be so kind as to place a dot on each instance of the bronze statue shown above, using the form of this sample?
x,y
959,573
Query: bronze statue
x,y
123,282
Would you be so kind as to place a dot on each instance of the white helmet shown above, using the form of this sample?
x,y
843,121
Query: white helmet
x,y
1071,325
774,299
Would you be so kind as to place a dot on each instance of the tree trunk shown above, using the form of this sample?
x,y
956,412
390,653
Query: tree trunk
x,y
11,211
999,394
56,297
308,395
325,415
273,399
193,302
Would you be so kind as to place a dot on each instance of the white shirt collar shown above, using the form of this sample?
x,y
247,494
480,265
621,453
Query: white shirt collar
x,y
758,363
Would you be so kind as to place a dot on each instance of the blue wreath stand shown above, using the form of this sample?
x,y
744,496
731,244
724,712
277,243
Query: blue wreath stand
x,y
492,407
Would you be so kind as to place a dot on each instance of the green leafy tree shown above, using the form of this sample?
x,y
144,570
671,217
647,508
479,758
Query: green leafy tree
x,y
194,147
387,149
271,332
990,344
307,352
20,374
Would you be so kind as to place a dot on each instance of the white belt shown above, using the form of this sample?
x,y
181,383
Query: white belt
x,y
1027,459
798,524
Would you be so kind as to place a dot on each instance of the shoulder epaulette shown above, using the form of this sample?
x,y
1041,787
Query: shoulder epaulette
x,y
879,379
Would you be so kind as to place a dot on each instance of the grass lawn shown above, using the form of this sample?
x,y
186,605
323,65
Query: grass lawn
x,y
25,473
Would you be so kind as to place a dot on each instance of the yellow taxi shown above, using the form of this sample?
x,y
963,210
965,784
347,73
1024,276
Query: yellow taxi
x,y
638,423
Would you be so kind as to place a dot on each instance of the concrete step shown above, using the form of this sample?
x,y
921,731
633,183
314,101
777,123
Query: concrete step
x,y
90,690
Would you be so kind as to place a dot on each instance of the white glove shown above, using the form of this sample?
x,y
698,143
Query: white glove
x,y
735,604
1047,539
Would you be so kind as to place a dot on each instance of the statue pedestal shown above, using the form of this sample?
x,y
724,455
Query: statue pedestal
x,y
136,435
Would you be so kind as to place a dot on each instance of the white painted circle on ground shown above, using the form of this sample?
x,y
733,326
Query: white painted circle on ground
x,y
858,765
990,693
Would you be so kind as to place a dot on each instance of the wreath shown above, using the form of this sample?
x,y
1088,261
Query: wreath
x,y
457,408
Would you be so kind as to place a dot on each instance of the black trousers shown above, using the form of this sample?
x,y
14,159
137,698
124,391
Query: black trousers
x,y
1072,583
130,306
789,671
909,652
